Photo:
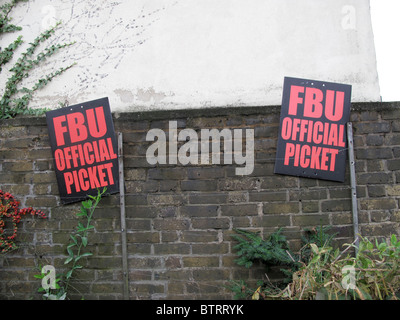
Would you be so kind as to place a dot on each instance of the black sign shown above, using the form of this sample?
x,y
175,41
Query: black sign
x,y
84,148
312,135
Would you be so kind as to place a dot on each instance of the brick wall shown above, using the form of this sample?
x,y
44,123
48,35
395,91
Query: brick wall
x,y
180,218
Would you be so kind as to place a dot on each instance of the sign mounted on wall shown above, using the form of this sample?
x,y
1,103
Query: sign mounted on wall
x,y
312,135
84,148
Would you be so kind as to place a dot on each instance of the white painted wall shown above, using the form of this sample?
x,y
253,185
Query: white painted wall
x,y
170,54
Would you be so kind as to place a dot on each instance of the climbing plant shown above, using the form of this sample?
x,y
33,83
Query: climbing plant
x,y
15,98
75,249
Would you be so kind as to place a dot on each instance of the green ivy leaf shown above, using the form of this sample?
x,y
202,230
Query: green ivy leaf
x,y
87,204
84,241
74,239
87,254
69,274
70,252
68,260
82,213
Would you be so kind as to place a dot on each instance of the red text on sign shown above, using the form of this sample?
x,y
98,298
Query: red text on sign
x,y
312,157
84,154
317,132
312,102
89,178
79,126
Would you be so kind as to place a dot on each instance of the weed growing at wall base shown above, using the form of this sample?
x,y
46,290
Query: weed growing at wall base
x,y
58,286
372,274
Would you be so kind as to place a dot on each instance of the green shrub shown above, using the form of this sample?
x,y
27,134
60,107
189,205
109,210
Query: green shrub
x,y
272,251
372,274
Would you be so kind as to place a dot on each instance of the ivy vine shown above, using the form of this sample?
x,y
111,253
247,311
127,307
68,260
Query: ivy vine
x,y
14,99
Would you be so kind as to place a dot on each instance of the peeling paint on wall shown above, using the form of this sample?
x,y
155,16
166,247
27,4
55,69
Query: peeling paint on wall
x,y
126,96
149,95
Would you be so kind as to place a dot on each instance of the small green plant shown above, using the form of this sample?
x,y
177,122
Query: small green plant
x,y
241,290
373,274
273,251
377,267
15,100
75,249
52,291
308,281
319,236
79,239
